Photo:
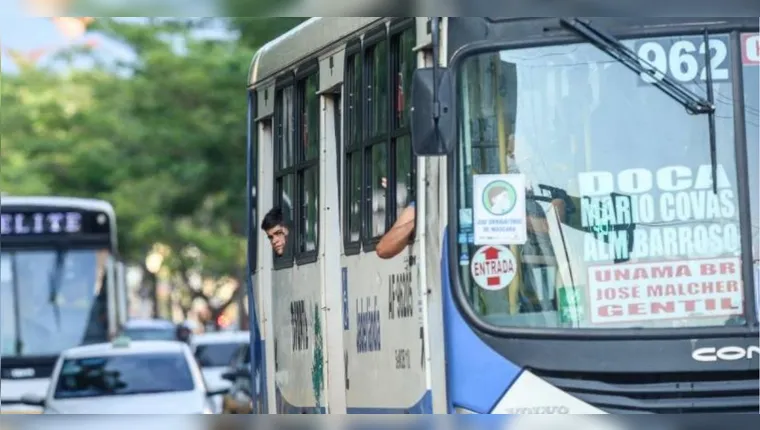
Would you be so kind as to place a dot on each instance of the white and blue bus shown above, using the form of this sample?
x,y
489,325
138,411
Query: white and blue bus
x,y
586,195
62,286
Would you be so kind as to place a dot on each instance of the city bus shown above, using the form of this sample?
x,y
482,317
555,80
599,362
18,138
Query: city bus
x,y
62,286
586,197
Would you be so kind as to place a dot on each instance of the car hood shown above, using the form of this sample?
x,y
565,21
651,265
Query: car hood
x,y
191,402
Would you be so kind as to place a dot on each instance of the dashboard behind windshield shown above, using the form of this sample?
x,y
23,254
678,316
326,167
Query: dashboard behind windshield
x,y
52,300
124,375
585,194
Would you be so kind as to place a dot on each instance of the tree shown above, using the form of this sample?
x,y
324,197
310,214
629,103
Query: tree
x,y
162,136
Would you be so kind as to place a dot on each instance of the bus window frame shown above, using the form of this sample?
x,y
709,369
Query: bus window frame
x,y
302,164
253,171
352,148
399,131
389,33
462,303
284,82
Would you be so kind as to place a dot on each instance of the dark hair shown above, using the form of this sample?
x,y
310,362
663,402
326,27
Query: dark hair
x,y
272,219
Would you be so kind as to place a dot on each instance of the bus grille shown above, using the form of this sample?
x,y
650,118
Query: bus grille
x,y
663,393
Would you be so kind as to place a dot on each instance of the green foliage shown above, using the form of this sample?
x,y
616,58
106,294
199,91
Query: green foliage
x,y
162,137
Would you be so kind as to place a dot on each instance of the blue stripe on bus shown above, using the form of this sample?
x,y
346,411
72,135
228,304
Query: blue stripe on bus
x,y
422,407
477,377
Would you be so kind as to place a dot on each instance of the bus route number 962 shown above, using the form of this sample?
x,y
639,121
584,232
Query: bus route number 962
x,y
683,58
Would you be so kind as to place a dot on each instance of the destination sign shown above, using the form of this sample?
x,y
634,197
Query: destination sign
x,y
52,222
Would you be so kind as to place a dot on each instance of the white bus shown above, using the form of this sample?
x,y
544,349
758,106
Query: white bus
x,y
62,286
586,216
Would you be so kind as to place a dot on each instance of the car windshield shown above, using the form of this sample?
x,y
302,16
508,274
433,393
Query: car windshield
x,y
216,354
150,333
52,300
585,194
124,375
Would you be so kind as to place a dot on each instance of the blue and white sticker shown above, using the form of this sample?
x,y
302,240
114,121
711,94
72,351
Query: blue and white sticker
x,y
464,258
465,219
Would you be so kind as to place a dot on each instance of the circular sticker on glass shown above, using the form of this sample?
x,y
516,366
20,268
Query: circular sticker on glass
x,y
499,197
493,267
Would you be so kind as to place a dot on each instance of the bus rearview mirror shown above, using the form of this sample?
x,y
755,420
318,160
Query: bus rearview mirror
x,y
430,137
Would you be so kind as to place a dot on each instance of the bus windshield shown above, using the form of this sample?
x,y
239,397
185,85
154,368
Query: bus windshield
x,y
585,193
52,300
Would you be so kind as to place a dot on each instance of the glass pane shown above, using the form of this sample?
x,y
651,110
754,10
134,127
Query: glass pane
x,y
378,178
310,118
407,59
285,189
124,374
354,84
404,179
8,329
216,354
310,209
354,194
285,128
751,65
623,227
150,334
378,85
63,302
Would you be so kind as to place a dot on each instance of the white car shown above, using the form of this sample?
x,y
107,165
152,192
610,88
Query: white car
x,y
126,377
214,352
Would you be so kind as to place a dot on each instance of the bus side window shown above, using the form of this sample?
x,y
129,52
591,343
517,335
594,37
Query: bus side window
x,y
284,166
403,161
307,166
352,171
254,173
379,170
376,154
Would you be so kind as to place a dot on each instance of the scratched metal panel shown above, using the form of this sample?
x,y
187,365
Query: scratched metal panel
x,y
329,76
312,36
265,96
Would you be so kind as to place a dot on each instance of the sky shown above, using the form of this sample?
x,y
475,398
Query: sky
x,y
21,32
24,33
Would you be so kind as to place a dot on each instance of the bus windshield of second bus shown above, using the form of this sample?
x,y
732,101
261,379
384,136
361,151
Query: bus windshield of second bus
x,y
54,279
624,228
52,299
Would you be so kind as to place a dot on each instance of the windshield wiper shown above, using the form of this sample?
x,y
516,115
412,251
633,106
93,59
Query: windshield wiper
x,y
615,49
55,285
711,114
693,103
16,303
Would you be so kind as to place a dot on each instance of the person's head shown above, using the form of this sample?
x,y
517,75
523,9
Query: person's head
x,y
276,230
183,333
495,195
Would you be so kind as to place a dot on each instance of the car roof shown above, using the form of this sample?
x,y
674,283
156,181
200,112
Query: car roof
x,y
155,323
236,336
133,347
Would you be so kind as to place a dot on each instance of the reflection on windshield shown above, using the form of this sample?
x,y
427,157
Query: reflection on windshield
x,y
216,354
150,334
42,314
124,375
623,226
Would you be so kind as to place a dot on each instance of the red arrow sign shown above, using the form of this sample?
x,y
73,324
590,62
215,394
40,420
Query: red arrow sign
x,y
491,253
